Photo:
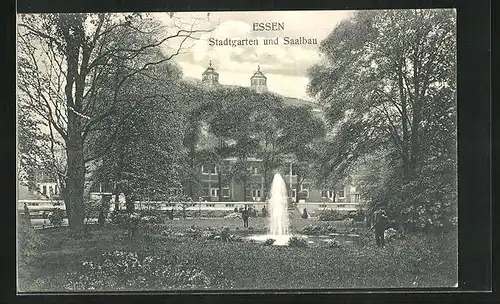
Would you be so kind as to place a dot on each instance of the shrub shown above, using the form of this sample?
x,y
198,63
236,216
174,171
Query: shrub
x,y
330,215
56,218
297,242
29,240
314,230
121,270
357,215
225,234
128,221
269,242
333,243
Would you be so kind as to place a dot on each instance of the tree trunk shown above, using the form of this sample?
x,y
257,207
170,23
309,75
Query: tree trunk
x,y
75,185
219,179
103,212
266,181
297,187
117,199
72,30
129,203
415,138
404,121
193,170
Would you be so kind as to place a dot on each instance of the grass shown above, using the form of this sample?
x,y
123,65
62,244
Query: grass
x,y
415,261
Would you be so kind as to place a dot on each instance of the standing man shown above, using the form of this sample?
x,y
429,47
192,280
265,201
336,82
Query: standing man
x,y
379,224
244,215
27,216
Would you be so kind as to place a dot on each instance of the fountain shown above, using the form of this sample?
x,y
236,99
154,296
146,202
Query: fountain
x,y
278,213
279,221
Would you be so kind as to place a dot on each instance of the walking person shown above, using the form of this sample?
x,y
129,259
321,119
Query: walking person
x,y
244,215
379,224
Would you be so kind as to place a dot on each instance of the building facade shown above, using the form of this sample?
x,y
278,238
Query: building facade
x,y
252,190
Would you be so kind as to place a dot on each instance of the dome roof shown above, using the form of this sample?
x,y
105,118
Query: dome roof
x,y
210,69
258,74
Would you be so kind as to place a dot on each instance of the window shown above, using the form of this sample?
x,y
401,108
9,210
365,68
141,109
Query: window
x,y
229,205
329,194
322,206
340,206
255,170
256,193
294,194
44,190
356,198
205,170
210,205
341,193
214,192
225,192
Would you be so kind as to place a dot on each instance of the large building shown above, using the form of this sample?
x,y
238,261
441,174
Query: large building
x,y
232,194
347,196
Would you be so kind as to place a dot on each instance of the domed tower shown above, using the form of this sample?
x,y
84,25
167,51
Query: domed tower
x,y
210,77
258,81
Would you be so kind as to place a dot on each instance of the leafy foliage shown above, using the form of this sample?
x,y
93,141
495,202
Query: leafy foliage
x,y
331,215
388,83
297,242
76,71
56,217
29,242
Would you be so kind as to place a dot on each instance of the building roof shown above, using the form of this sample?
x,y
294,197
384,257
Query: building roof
x,y
258,74
292,101
210,69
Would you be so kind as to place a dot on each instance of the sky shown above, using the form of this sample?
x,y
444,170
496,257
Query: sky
x,y
285,66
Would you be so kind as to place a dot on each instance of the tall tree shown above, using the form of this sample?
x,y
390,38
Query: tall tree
x,y
380,70
382,78
65,60
302,133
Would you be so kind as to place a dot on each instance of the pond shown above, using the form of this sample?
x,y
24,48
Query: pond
x,y
312,240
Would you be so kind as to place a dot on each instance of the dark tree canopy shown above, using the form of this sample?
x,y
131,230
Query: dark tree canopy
x,y
388,83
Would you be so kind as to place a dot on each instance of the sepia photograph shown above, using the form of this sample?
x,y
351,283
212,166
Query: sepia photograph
x,y
236,151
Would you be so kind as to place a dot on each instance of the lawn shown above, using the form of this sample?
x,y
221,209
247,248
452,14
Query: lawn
x,y
169,257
